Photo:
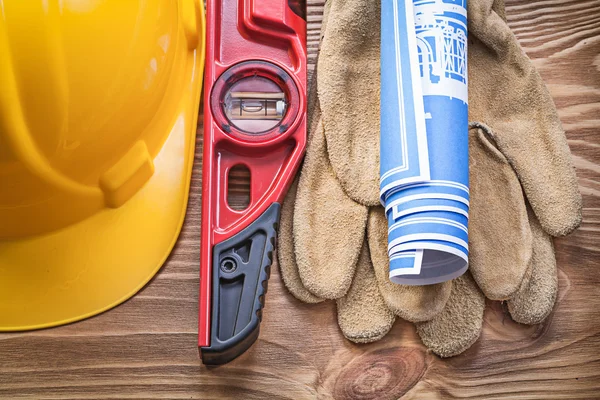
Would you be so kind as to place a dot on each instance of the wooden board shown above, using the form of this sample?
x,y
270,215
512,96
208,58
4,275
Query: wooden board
x,y
147,347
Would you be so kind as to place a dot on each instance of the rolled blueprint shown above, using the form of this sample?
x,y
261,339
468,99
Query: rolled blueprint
x,y
424,165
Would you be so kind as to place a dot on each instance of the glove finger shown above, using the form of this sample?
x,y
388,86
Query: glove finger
x,y
348,86
500,240
285,244
363,316
535,300
500,9
328,226
412,303
507,93
285,250
459,325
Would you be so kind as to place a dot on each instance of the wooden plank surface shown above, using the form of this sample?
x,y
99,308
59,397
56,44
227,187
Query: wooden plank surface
x,y
146,347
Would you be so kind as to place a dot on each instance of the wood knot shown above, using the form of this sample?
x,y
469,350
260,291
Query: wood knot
x,y
386,373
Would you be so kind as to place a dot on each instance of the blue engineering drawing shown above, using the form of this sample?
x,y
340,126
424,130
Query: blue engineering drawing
x,y
441,29
424,167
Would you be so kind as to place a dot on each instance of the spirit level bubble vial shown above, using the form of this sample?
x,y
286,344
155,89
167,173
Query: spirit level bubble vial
x,y
255,116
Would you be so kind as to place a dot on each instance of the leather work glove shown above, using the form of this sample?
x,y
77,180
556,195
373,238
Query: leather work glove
x,y
323,250
523,185
523,189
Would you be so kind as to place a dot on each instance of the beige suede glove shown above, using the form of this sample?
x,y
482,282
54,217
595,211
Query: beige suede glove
x,y
323,252
523,185
323,247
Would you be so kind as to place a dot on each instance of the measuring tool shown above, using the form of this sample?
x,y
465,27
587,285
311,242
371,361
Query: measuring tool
x,y
255,116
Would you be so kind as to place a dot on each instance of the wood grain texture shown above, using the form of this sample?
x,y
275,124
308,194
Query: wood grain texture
x,y
146,348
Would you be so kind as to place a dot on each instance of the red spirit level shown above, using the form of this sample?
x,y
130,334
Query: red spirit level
x,y
255,116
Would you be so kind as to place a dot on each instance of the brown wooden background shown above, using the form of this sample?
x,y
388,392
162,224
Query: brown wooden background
x,y
147,347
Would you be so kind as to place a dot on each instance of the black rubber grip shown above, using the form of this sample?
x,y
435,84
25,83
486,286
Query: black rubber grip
x,y
241,269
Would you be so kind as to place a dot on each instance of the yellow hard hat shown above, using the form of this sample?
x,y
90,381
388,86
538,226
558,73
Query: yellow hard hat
x,y
98,110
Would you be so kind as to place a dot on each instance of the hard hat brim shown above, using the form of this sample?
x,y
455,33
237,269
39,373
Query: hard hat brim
x,y
102,261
